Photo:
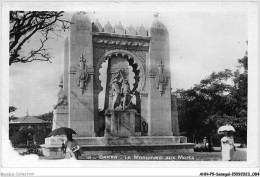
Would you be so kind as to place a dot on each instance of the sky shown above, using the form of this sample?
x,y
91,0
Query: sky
x,y
201,42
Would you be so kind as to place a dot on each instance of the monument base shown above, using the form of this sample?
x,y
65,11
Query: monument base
x,y
120,123
134,140
52,146
52,152
60,118
120,136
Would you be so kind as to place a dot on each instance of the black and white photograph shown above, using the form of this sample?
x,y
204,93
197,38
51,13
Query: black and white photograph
x,y
100,88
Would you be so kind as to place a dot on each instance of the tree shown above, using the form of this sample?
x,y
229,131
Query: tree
x,y
238,100
47,116
26,25
21,136
197,104
12,109
40,135
217,100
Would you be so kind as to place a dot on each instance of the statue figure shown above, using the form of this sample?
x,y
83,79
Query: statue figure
x,y
61,97
116,92
125,90
120,91
161,78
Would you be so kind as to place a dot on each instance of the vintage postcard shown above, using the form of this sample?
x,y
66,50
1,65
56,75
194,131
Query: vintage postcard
x,y
101,88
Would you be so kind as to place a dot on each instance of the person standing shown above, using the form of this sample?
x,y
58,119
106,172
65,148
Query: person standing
x,y
228,147
70,146
205,142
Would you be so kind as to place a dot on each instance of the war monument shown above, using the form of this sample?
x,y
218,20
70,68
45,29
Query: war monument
x,y
129,105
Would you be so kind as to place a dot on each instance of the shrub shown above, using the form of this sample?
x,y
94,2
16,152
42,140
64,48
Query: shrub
x,y
40,136
21,136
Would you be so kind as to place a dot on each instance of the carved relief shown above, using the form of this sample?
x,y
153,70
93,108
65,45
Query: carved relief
x,y
82,74
141,55
98,53
129,55
161,79
120,42
134,48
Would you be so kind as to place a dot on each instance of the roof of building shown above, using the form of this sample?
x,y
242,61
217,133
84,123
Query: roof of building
x,y
28,120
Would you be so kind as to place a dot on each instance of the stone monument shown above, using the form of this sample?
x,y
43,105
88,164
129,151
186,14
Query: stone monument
x,y
137,108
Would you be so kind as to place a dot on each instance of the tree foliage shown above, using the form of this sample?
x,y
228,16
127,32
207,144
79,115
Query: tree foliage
x,y
21,136
40,135
217,100
47,116
25,25
12,109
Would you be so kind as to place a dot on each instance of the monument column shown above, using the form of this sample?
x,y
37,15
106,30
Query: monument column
x,y
159,81
81,103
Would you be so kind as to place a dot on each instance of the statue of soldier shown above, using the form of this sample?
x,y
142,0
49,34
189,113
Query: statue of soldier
x,y
125,90
116,93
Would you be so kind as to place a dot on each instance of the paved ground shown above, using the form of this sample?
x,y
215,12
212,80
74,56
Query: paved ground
x,y
240,155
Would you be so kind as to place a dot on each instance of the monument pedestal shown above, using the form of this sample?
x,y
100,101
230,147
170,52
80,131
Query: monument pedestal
x,y
53,147
136,143
60,118
120,123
